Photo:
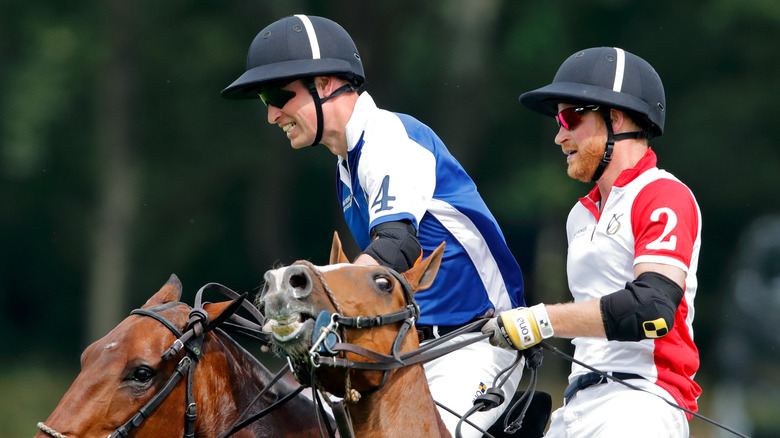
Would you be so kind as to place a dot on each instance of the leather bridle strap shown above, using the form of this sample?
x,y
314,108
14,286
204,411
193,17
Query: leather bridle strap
x,y
161,319
242,423
192,338
186,365
384,362
236,323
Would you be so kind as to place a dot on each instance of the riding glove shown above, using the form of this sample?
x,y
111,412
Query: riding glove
x,y
519,328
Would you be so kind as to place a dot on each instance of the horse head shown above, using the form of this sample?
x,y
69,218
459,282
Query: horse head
x,y
294,296
124,370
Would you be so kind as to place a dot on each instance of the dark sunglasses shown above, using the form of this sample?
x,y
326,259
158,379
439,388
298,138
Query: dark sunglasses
x,y
276,96
571,117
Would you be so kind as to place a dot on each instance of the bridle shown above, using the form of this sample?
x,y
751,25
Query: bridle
x,y
328,349
191,340
326,344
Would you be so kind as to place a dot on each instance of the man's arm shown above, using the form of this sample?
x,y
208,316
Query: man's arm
x,y
393,244
644,310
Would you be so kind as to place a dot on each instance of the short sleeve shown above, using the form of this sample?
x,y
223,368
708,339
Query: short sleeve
x,y
665,220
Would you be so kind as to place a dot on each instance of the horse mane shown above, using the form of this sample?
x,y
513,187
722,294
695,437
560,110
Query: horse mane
x,y
241,361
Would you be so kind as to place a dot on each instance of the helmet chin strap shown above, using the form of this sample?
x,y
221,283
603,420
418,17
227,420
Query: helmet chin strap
x,y
319,101
318,105
610,145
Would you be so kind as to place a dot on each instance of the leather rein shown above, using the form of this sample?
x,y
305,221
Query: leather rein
x,y
328,353
191,340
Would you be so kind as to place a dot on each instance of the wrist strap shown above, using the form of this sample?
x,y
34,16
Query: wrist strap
x,y
545,327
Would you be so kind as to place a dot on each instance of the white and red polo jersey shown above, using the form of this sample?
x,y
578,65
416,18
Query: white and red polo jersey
x,y
648,216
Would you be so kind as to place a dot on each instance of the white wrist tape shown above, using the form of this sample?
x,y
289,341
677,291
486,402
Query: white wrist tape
x,y
545,327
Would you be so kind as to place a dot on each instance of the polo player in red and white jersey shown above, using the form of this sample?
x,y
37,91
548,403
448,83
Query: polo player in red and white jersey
x,y
633,252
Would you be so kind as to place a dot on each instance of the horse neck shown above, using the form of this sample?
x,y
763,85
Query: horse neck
x,y
402,407
223,380
234,379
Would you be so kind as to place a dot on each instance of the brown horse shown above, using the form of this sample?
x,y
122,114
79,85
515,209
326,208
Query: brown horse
x,y
123,371
395,404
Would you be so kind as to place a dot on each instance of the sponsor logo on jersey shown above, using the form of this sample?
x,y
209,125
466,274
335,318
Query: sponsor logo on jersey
x,y
614,224
347,202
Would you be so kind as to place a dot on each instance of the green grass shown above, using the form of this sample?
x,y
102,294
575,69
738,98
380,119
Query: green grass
x,y
29,393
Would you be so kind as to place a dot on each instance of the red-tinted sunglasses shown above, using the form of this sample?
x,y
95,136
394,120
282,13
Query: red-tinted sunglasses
x,y
571,117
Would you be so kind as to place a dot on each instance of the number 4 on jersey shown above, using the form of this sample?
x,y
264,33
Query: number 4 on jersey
x,y
383,198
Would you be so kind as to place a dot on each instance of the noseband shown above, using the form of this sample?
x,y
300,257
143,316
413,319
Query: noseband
x,y
325,345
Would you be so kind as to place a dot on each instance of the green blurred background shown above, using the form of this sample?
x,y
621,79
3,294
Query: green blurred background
x,y
121,164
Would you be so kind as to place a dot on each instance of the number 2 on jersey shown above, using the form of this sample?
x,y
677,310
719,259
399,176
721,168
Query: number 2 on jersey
x,y
671,222
383,198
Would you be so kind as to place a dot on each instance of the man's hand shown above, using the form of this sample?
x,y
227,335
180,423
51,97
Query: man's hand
x,y
519,328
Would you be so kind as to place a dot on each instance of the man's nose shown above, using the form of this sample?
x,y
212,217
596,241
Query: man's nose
x,y
273,114
560,137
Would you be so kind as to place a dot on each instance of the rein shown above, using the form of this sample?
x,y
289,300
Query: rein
x,y
328,353
408,315
191,339
634,387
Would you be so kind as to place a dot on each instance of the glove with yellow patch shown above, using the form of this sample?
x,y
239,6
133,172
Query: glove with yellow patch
x,y
519,328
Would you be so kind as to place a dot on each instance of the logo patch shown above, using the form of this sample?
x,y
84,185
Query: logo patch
x,y
614,224
524,330
347,202
481,389
655,329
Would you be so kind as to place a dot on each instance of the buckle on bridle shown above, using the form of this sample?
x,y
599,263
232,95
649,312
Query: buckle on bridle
x,y
326,325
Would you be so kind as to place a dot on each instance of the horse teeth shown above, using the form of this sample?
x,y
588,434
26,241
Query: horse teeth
x,y
285,329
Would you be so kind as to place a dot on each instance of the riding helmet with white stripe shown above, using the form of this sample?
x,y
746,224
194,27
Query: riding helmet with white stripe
x,y
298,46
612,78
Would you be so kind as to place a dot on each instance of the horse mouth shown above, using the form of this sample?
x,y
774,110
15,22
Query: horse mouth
x,y
291,329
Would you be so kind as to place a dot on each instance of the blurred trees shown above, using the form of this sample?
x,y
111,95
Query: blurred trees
x,y
120,163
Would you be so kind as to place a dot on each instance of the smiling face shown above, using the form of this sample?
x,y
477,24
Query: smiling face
x,y
297,117
583,145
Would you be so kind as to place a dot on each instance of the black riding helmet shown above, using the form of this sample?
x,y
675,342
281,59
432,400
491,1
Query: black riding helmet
x,y
299,47
612,78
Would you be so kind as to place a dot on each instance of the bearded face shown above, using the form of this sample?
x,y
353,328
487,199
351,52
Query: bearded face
x,y
582,165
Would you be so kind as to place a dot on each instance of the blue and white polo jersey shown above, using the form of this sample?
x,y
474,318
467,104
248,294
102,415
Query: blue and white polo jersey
x,y
398,168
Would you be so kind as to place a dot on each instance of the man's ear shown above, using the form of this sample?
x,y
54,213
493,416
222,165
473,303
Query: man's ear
x,y
621,121
616,116
326,85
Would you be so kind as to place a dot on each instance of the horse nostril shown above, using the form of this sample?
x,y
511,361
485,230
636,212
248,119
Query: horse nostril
x,y
300,285
299,282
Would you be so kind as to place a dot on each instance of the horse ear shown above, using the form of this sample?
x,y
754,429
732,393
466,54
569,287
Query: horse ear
x,y
336,251
420,276
215,309
171,291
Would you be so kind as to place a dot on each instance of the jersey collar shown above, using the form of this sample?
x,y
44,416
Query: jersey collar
x,y
648,161
364,108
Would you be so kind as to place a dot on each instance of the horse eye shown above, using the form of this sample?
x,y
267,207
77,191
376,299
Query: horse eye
x,y
384,284
141,374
